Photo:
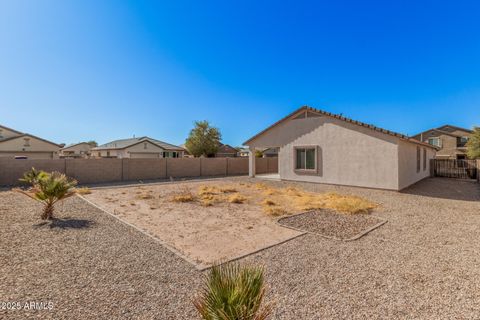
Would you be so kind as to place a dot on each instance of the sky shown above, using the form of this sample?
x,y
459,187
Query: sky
x,y
81,70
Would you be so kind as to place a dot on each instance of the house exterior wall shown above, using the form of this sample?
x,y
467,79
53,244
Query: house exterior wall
x,y
36,148
78,150
448,143
347,154
407,167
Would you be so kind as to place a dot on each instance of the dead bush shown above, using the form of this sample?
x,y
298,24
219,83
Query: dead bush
x,y
237,198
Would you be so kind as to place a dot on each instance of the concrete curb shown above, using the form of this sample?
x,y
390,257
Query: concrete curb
x,y
356,237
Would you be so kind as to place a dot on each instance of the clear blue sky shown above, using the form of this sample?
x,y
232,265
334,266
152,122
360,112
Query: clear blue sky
x,y
103,70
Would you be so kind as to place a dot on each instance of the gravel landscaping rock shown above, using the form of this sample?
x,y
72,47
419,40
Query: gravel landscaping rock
x,y
332,224
88,264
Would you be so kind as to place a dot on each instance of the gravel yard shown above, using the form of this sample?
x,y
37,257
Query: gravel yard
x,y
423,264
331,224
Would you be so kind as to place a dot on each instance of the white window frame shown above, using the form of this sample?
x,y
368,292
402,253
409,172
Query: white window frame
x,y
438,144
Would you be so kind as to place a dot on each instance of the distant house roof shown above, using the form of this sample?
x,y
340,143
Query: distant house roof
x,y
23,135
340,117
450,128
74,144
125,143
10,129
447,130
226,149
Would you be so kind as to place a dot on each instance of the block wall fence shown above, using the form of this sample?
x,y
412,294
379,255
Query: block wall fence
x,y
91,171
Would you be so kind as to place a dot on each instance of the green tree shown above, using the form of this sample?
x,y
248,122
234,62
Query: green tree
x,y
203,139
233,292
473,144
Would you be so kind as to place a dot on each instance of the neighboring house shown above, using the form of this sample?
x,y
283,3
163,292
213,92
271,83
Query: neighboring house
x,y
270,152
449,139
143,147
226,151
317,146
243,152
76,150
14,144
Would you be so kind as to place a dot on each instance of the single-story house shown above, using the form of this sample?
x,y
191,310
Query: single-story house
x,y
15,144
226,151
318,146
76,150
143,147
243,152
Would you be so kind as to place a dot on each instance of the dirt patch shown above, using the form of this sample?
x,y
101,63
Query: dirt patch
x,y
207,222
331,224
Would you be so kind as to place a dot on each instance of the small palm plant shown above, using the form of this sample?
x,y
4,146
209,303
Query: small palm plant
x,y
233,292
49,188
31,177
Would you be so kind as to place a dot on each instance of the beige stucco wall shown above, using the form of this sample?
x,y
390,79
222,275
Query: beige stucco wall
x,y
407,169
135,151
78,149
37,149
347,154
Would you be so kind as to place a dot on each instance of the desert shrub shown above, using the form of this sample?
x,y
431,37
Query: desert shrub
x,y
233,292
275,211
184,196
207,190
228,189
50,188
83,190
268,202
348,204
237,198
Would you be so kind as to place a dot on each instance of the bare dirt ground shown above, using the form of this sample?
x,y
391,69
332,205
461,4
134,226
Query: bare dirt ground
x,y
423,264
205,234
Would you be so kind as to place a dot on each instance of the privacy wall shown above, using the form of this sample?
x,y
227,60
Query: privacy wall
x,y
87,171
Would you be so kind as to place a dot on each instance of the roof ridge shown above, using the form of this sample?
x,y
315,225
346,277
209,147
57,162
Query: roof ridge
x,y
341,117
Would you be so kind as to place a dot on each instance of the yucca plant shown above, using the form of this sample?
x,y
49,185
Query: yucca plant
x,y
233,292
49,188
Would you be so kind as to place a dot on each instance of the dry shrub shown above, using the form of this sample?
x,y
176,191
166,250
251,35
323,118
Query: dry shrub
x,y
184,196
228,189
348,204
207,190
274,210
261,186
132,203
237,198
268,202
303,201
83,190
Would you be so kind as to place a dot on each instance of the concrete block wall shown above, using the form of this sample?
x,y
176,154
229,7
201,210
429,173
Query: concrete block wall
x,y
93,171
11,169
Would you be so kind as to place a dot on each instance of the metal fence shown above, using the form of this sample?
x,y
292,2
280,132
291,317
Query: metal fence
x,y
459,169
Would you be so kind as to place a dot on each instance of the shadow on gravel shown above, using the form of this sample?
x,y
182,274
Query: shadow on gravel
x,y
446,188
66,223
